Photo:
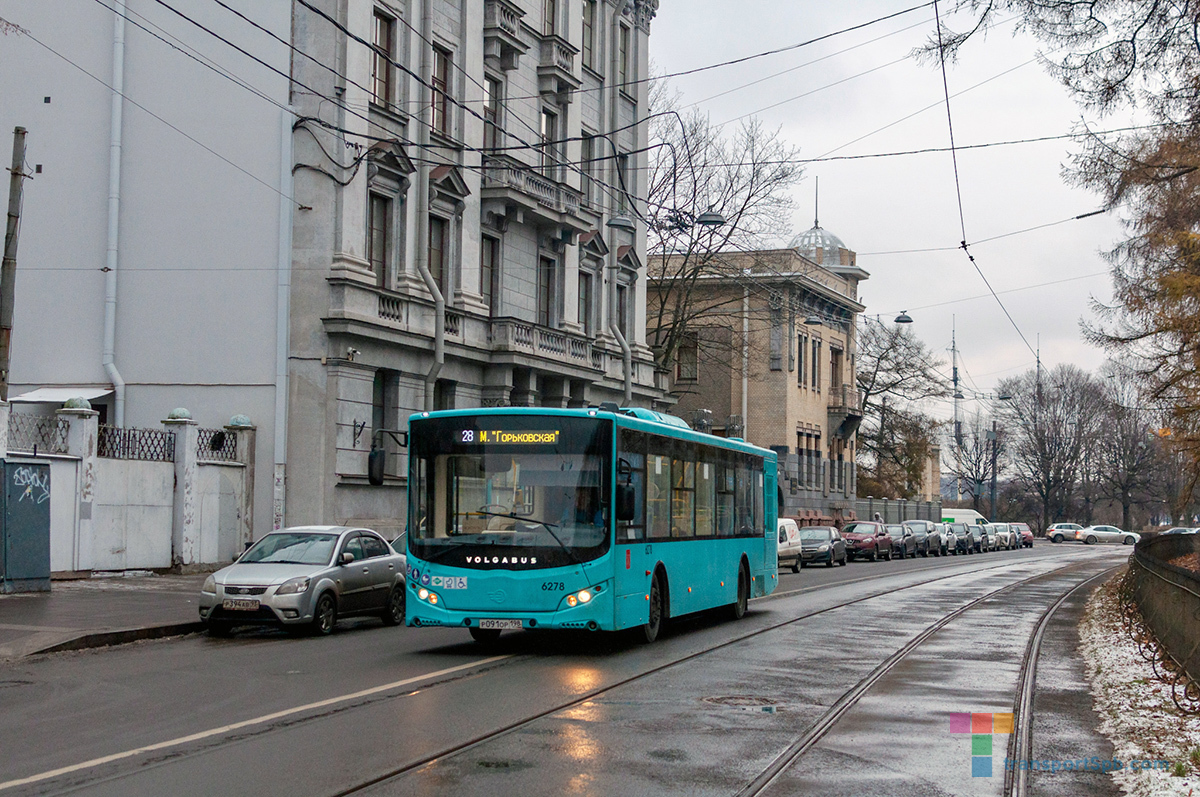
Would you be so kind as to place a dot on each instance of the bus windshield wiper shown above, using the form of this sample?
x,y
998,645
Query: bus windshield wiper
x,y
544,524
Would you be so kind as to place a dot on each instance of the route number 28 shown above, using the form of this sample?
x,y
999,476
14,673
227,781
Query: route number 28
x,y
468,435
553,585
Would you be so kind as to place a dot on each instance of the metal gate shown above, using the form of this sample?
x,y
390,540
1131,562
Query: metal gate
x,y
25,527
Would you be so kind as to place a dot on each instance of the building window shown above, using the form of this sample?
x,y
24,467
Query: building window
x,y
687,361
443,394
489,260
586,280
547,291
379,233
493,97
588,162
550,16
623,58
381,60
441,90
589,33
801,345
548,144
816,365
776,356
835,369
623,310
385,400
437,252
624,188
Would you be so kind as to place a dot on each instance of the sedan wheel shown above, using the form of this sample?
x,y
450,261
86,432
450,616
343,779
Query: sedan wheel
x,y
325,615
394,613
1129,540
1091,539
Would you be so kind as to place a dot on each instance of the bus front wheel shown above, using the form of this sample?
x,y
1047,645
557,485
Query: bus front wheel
x,y
654,623
743,594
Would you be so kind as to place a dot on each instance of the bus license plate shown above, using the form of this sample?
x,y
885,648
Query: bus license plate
x,y
502,624
233,604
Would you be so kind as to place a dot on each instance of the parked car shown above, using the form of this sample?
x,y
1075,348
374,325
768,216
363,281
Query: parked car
x,y
968,516
822,544
1182,530
929,536
979,539
1006,538
1094,534
904,542
1025,534
307,577
1058,532
789,543
866,539
959,539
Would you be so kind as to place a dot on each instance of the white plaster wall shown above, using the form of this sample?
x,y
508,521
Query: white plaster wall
x,y
219,488
132,514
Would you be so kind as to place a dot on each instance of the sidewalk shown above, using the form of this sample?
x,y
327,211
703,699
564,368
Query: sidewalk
x,y
99,611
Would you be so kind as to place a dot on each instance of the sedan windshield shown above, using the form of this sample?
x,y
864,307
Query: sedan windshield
x,y
292,548
820,535
859,528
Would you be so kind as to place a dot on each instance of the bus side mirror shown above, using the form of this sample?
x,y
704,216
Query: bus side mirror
x,y
375,462
625,503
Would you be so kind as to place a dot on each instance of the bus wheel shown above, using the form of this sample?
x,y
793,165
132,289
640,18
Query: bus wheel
x,y
484,636
743,593
652,626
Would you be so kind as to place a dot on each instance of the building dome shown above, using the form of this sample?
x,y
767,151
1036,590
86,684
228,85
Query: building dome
x,y
819,245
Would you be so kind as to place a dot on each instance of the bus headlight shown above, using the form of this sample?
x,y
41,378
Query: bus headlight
x,y
423,593
585,596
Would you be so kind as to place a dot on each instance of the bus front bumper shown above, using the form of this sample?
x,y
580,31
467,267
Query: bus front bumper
x,y
594,615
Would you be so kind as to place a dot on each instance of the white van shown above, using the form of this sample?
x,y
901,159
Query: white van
x,y
789,543
968,516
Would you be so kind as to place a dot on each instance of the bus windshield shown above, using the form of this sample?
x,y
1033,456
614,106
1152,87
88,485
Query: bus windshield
x,y
510,492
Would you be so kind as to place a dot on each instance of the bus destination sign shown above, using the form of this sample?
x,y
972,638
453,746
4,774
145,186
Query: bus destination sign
x,y
516,437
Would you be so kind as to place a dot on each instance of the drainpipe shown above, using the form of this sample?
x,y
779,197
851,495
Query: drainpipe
x,y
614,116
439,301
283,289
114,214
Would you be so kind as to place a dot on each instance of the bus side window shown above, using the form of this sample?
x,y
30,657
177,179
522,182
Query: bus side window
x,y
759,517
706,498
631,466
725,496
658,493
683,492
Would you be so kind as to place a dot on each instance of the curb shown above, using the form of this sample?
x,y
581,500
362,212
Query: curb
x,y
107,638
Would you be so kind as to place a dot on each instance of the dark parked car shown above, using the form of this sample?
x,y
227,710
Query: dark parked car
x,y
928,534
904,542
978,538
866,540
821,544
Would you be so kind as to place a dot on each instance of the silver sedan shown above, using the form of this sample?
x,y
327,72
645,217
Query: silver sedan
x,y
1094,534
307,577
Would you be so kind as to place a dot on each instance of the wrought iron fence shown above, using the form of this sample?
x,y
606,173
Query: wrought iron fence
x,y
149,445
216,445
35,433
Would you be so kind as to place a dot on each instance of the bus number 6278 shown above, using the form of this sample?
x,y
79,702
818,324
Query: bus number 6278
x,y
553,585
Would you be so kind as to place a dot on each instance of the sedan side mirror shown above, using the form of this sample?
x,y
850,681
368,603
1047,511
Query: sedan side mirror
x,y
347,557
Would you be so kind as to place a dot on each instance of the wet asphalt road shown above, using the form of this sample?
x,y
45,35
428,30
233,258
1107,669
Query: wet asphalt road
x,y
706,710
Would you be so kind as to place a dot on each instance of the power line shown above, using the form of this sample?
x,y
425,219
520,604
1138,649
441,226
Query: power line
x,y
982,240
1009,290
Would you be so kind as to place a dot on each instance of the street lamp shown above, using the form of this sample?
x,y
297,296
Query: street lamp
x,y
904,318
621,223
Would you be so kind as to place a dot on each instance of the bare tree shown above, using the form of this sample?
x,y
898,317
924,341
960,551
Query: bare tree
x,y
696,167
1052,419
970,461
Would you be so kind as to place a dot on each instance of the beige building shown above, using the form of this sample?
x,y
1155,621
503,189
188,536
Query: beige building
x,y
769,350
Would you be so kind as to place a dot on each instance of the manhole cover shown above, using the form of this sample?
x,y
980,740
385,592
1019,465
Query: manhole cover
x,y
741,701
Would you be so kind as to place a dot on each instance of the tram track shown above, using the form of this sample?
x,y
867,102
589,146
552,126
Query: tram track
x,y
795,751
826,722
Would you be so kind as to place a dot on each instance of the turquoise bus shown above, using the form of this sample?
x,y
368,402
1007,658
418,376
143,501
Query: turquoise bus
x,y
600,519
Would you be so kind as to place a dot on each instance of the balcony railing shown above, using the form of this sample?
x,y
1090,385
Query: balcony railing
x,y
502,172
510,334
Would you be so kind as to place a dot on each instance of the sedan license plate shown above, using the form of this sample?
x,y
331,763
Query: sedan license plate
x,y
234,604
502,624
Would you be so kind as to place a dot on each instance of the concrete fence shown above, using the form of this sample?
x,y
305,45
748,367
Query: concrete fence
x,y
897,510
1169,596
176,497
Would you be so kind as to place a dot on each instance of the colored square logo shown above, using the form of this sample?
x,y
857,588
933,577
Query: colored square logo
x,y
981,766
1002,723
981,723
960,722
981,744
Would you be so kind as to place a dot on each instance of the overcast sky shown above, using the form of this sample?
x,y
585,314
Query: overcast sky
x,y
880,205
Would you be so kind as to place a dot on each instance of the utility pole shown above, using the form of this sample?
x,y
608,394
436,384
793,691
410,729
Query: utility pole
x,y
958,436
995,439
8,270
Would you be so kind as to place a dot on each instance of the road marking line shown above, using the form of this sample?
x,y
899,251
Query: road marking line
x,y
150,748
